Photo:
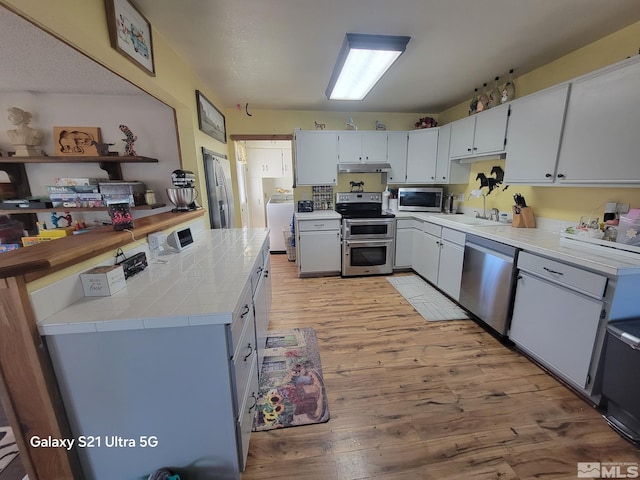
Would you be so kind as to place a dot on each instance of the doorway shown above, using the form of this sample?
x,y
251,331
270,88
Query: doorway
x,y
264,167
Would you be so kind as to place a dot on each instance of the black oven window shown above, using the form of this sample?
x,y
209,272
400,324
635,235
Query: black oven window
x,y
369,229
368,256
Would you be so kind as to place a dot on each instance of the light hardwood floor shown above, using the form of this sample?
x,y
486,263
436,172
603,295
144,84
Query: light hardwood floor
x,y
411,399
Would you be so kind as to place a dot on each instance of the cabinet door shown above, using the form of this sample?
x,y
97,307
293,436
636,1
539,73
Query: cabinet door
x,y
350,147
397,157
601,141
272,161
442,157
404,248
491,131
422,151
374,146
426,255
316,157
462,137
450,269
319,252
563,333
533,137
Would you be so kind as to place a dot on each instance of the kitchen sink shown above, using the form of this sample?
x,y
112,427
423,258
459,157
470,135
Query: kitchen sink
x,y
468,220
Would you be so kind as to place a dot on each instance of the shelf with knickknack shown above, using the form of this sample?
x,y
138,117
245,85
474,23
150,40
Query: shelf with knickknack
x,y
14,167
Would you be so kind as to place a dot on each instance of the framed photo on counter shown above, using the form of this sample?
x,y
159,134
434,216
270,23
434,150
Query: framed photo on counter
x,y
130,33
210,119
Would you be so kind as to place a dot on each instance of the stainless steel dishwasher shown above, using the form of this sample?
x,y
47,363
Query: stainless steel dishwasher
x,y
488,281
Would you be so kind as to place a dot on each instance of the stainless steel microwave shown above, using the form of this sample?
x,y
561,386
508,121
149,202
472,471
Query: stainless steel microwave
x,y
420,199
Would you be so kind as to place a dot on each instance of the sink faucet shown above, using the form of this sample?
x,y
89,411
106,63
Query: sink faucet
x,y
484,208
495,214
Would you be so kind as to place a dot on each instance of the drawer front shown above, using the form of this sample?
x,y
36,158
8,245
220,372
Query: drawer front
x,y
240,318
454,236
242,361
314,225
427,227
572,277
404,223
247,412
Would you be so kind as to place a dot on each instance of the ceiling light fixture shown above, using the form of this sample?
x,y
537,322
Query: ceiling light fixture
x,y
362,61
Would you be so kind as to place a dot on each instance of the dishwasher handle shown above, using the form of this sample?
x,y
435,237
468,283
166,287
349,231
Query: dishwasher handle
x,y
488,251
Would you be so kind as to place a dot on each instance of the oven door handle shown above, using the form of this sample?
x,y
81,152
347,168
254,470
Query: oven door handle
x,y
369,221
368,243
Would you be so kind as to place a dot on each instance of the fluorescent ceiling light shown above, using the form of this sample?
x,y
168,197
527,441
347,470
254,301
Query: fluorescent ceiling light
x,y
362,61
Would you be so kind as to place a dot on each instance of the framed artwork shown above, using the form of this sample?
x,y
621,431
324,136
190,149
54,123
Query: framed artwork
x,y
76,141
130,33
210,119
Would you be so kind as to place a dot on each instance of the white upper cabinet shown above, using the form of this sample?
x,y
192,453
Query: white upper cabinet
x,y
601,139
533,137
481,134
422,155
362,146
316,154
397,157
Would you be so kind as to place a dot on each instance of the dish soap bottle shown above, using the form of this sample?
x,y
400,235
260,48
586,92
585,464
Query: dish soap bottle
x,y
385,199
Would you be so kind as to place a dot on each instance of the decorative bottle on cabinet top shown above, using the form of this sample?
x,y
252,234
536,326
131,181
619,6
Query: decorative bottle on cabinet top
x,y
509,89
495,95
473,106
483,100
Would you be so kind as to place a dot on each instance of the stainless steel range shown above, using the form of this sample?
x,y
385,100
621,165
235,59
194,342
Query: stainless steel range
x,y
368,234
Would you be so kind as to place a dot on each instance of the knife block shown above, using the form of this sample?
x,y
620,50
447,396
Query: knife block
x,y
524,219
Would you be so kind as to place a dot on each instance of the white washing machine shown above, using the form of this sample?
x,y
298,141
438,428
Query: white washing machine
x,y
279,215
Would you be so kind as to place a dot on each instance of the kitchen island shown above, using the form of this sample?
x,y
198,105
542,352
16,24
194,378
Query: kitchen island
x,y
164,372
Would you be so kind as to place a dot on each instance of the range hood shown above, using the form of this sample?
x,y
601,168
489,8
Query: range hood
x,y
364,167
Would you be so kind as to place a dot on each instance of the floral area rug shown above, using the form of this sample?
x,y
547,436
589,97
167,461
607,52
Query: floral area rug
x,y
8,447
291,389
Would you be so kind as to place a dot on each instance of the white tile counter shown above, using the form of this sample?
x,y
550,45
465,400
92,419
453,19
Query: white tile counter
x,y
544,242
198,286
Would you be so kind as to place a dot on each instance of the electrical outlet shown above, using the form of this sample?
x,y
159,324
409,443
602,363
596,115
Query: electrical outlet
x,y
156,240
461,197
622,208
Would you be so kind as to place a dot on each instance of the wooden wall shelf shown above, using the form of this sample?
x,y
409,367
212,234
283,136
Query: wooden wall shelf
x,y
110,164
75,209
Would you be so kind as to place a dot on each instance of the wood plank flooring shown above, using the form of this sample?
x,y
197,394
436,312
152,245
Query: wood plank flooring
x,y
411,399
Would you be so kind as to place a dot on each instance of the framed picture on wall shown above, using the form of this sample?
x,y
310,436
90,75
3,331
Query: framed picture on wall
x,y
130,33
210,119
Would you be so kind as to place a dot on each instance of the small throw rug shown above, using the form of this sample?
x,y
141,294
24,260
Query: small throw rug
x,y
428,301
8,447
291,390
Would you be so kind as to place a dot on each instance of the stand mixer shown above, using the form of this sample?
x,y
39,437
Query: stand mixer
x,y
183,194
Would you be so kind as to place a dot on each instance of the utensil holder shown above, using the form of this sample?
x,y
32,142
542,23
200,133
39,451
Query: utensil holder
x,y
523,217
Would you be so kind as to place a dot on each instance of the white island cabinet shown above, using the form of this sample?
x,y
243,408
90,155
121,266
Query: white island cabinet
x,y
318,243
165,371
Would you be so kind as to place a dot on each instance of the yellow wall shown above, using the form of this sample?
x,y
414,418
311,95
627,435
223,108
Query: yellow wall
x,y
565,203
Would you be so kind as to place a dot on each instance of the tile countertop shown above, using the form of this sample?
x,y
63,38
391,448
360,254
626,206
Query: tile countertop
x,y
601,259
318,215
202,284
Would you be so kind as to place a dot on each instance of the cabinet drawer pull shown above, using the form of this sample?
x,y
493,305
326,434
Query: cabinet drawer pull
x,y
553,271
247,310
250,347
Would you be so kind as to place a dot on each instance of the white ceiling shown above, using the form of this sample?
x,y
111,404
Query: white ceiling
x,y
279,54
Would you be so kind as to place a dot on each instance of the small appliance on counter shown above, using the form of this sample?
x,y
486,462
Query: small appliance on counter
x,y
183,194
420,199
305,206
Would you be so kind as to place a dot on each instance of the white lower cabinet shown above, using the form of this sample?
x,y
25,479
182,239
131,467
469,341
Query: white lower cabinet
x,y
318,246
450,264
426,250
556,316
404,243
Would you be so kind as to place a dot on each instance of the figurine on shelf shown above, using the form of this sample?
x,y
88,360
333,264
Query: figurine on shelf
x,y
131,138
23,137
55,219
102,148
380,126
320,126
351,125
